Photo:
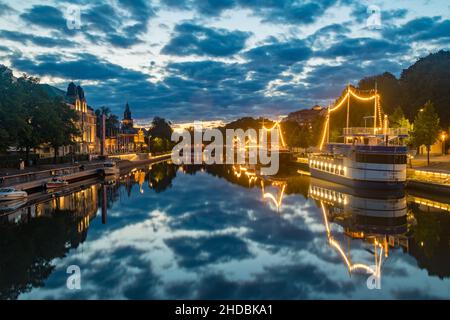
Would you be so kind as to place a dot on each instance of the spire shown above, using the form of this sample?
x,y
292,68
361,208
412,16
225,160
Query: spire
x,y
71,90
127,113
80,92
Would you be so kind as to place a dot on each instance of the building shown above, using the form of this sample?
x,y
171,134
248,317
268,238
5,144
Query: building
x,y
130,139
306,117
438,147
87,142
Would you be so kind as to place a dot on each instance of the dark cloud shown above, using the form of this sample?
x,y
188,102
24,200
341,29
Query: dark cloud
x,y
5,9
420,29
101,17
271,11
84,67
361,12
119,30
191,39
45,16
100,22
34,39
279,53
292,12
365,49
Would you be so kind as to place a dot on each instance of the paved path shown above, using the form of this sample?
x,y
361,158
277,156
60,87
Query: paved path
x,y
9,172
437,163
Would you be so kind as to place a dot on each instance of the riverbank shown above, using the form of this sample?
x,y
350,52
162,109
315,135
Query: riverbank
x,y
34,179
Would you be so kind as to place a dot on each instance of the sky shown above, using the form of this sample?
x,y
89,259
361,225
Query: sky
x,y
188,60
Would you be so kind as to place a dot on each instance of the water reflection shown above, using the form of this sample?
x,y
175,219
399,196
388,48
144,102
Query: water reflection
x,y
225,232
33,236
376,218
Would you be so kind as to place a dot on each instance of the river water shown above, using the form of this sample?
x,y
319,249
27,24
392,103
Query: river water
x,y
218,232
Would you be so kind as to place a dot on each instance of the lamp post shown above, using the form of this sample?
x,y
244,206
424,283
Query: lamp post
x,y
443,137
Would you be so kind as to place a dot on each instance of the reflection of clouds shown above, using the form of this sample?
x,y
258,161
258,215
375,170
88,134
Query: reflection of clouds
x,y
207,238
413,294
201,251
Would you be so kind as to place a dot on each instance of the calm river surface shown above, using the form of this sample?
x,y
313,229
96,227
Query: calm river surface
x,y
168,232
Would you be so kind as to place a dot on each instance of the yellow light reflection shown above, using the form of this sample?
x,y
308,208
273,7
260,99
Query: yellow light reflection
x,y
353,266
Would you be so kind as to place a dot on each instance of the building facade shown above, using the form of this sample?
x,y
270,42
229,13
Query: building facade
x,y
87,142
130,138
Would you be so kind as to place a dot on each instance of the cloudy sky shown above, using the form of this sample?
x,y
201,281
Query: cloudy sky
x,y
217,59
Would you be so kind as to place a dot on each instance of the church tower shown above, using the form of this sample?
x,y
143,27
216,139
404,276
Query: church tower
x,y
127,121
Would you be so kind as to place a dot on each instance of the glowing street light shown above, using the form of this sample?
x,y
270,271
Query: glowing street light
x,y
443,137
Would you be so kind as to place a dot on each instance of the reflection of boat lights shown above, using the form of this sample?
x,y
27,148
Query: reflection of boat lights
x,y
267,195
354,266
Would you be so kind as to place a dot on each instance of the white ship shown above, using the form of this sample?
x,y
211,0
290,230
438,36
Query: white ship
x,y
369,157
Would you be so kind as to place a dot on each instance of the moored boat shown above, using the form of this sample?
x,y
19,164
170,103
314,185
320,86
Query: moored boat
x,y
56,183
369,157
8,194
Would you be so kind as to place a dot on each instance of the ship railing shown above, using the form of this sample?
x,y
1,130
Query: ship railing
x,y
365,131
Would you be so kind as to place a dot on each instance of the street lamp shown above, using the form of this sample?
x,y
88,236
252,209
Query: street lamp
x,y
443,137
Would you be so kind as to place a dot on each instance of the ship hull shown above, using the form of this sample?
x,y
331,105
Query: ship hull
x,y
354,183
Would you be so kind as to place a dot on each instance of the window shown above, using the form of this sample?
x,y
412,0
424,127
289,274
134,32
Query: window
x,y
381,158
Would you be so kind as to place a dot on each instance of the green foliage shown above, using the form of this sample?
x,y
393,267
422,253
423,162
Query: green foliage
x,y
61,129
159,135
426,127
29,117
160,128
426,80
294,135
302,136
388,86
246,123
112,123
398,120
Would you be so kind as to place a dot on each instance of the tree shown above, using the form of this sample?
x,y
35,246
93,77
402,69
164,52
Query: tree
x,y
159,135
426,127
389,88
32,118
9,108
398,120
428,79
61,129
161,128
112,123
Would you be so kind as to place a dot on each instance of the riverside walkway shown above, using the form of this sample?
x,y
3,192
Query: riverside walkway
x,y
35,179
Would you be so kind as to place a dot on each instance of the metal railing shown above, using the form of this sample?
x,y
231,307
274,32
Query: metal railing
x,y
355,131
11,180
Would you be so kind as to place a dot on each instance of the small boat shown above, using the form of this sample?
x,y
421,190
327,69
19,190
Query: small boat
x,y
7,194
110,168
56,183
